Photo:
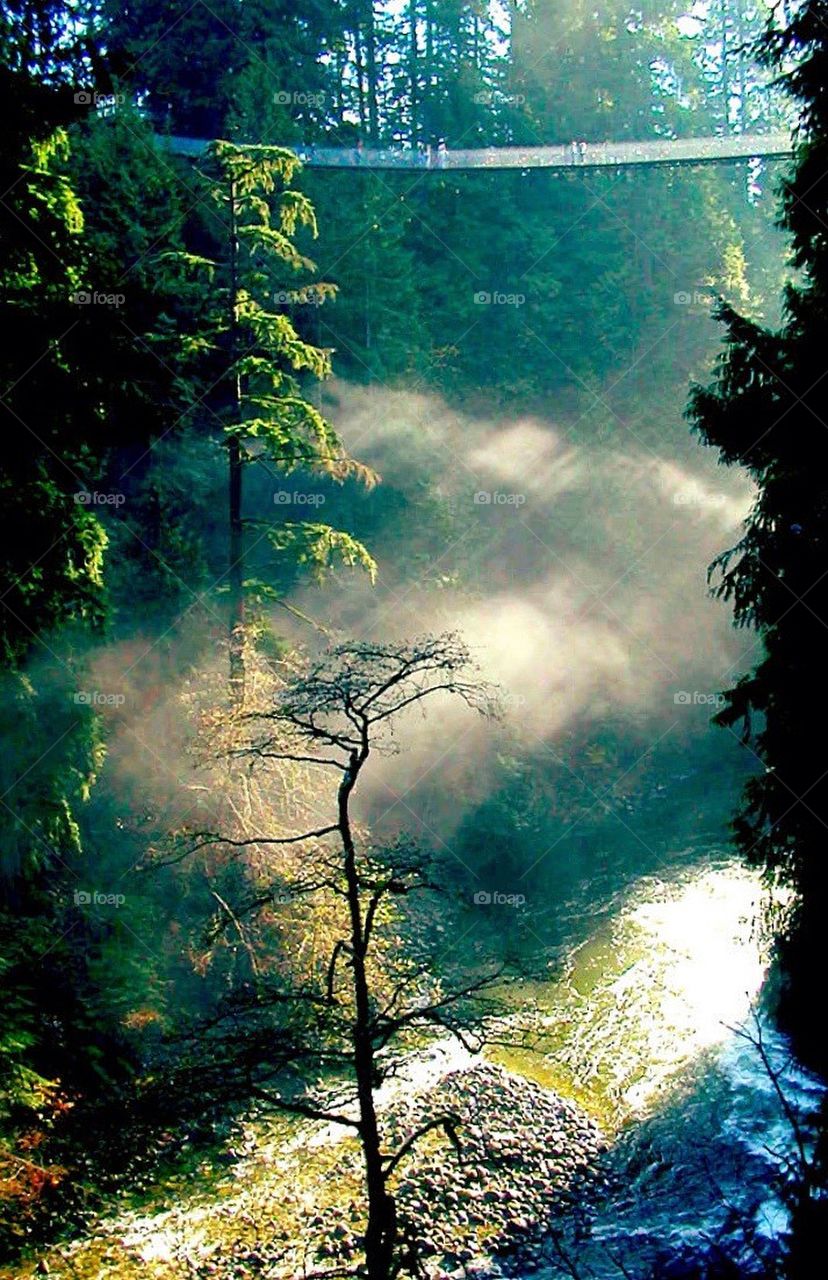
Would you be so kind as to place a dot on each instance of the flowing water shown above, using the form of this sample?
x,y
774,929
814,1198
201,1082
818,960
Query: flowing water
x,y
654,1026
654,986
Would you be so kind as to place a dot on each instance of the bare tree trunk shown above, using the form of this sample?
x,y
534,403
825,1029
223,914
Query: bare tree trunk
x,y
725,54
428,113
381,1229
340,78
359,67
371,67
236,566
742,67
236,575
413,72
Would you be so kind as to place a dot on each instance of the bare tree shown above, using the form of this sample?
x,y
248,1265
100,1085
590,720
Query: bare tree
x,y
342,1021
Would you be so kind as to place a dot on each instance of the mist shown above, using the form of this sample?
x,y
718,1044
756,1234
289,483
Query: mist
x,y
576,572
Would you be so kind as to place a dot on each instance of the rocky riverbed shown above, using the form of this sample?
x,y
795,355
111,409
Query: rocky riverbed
x,y
289,1201
526,1156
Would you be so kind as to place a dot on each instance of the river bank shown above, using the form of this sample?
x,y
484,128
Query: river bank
x,y
291,1201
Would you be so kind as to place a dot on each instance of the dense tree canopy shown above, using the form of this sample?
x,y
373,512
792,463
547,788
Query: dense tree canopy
x,y
766,413
171,461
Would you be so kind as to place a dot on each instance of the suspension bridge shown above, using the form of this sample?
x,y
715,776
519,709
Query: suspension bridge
x,y
573,155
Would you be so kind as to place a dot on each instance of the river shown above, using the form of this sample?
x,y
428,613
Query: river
x,y
653,1027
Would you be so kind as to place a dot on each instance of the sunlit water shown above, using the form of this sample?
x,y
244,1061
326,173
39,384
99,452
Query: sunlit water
x,y
652,1026
677,965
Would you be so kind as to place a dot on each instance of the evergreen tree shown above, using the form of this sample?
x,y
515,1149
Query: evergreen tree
x,y
259,394
83,389
51,549
366,248
136,200
193,65
766,412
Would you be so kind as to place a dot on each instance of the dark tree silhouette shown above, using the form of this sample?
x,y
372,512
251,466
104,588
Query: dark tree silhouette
x,y
367,996
767,412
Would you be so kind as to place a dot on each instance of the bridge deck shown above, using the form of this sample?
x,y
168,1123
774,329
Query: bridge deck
x,y
592,155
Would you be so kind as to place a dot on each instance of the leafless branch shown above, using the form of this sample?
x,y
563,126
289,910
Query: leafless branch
x,y
207,839
300,1108
448,1122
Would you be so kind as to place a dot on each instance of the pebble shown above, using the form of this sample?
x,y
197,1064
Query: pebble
x,y
525,1154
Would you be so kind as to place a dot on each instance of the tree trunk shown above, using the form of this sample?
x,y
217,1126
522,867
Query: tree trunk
x,y
725,54
371,68
741,39
381,1228
236,565
340,77
428,102
413,72
236,574
359,67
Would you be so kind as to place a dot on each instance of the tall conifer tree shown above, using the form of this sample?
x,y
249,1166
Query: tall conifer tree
x,y
767,412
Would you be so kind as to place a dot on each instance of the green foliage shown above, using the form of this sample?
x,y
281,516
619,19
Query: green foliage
x,y
260,395
219,343
319,546
82,391
765,413
51,546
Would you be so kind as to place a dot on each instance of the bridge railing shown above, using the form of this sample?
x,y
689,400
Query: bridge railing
x,y
570,155
562,156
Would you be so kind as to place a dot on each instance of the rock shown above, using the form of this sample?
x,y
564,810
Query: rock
x,y
521,1148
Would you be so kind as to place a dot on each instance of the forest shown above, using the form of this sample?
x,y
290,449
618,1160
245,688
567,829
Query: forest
x,y
414,541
